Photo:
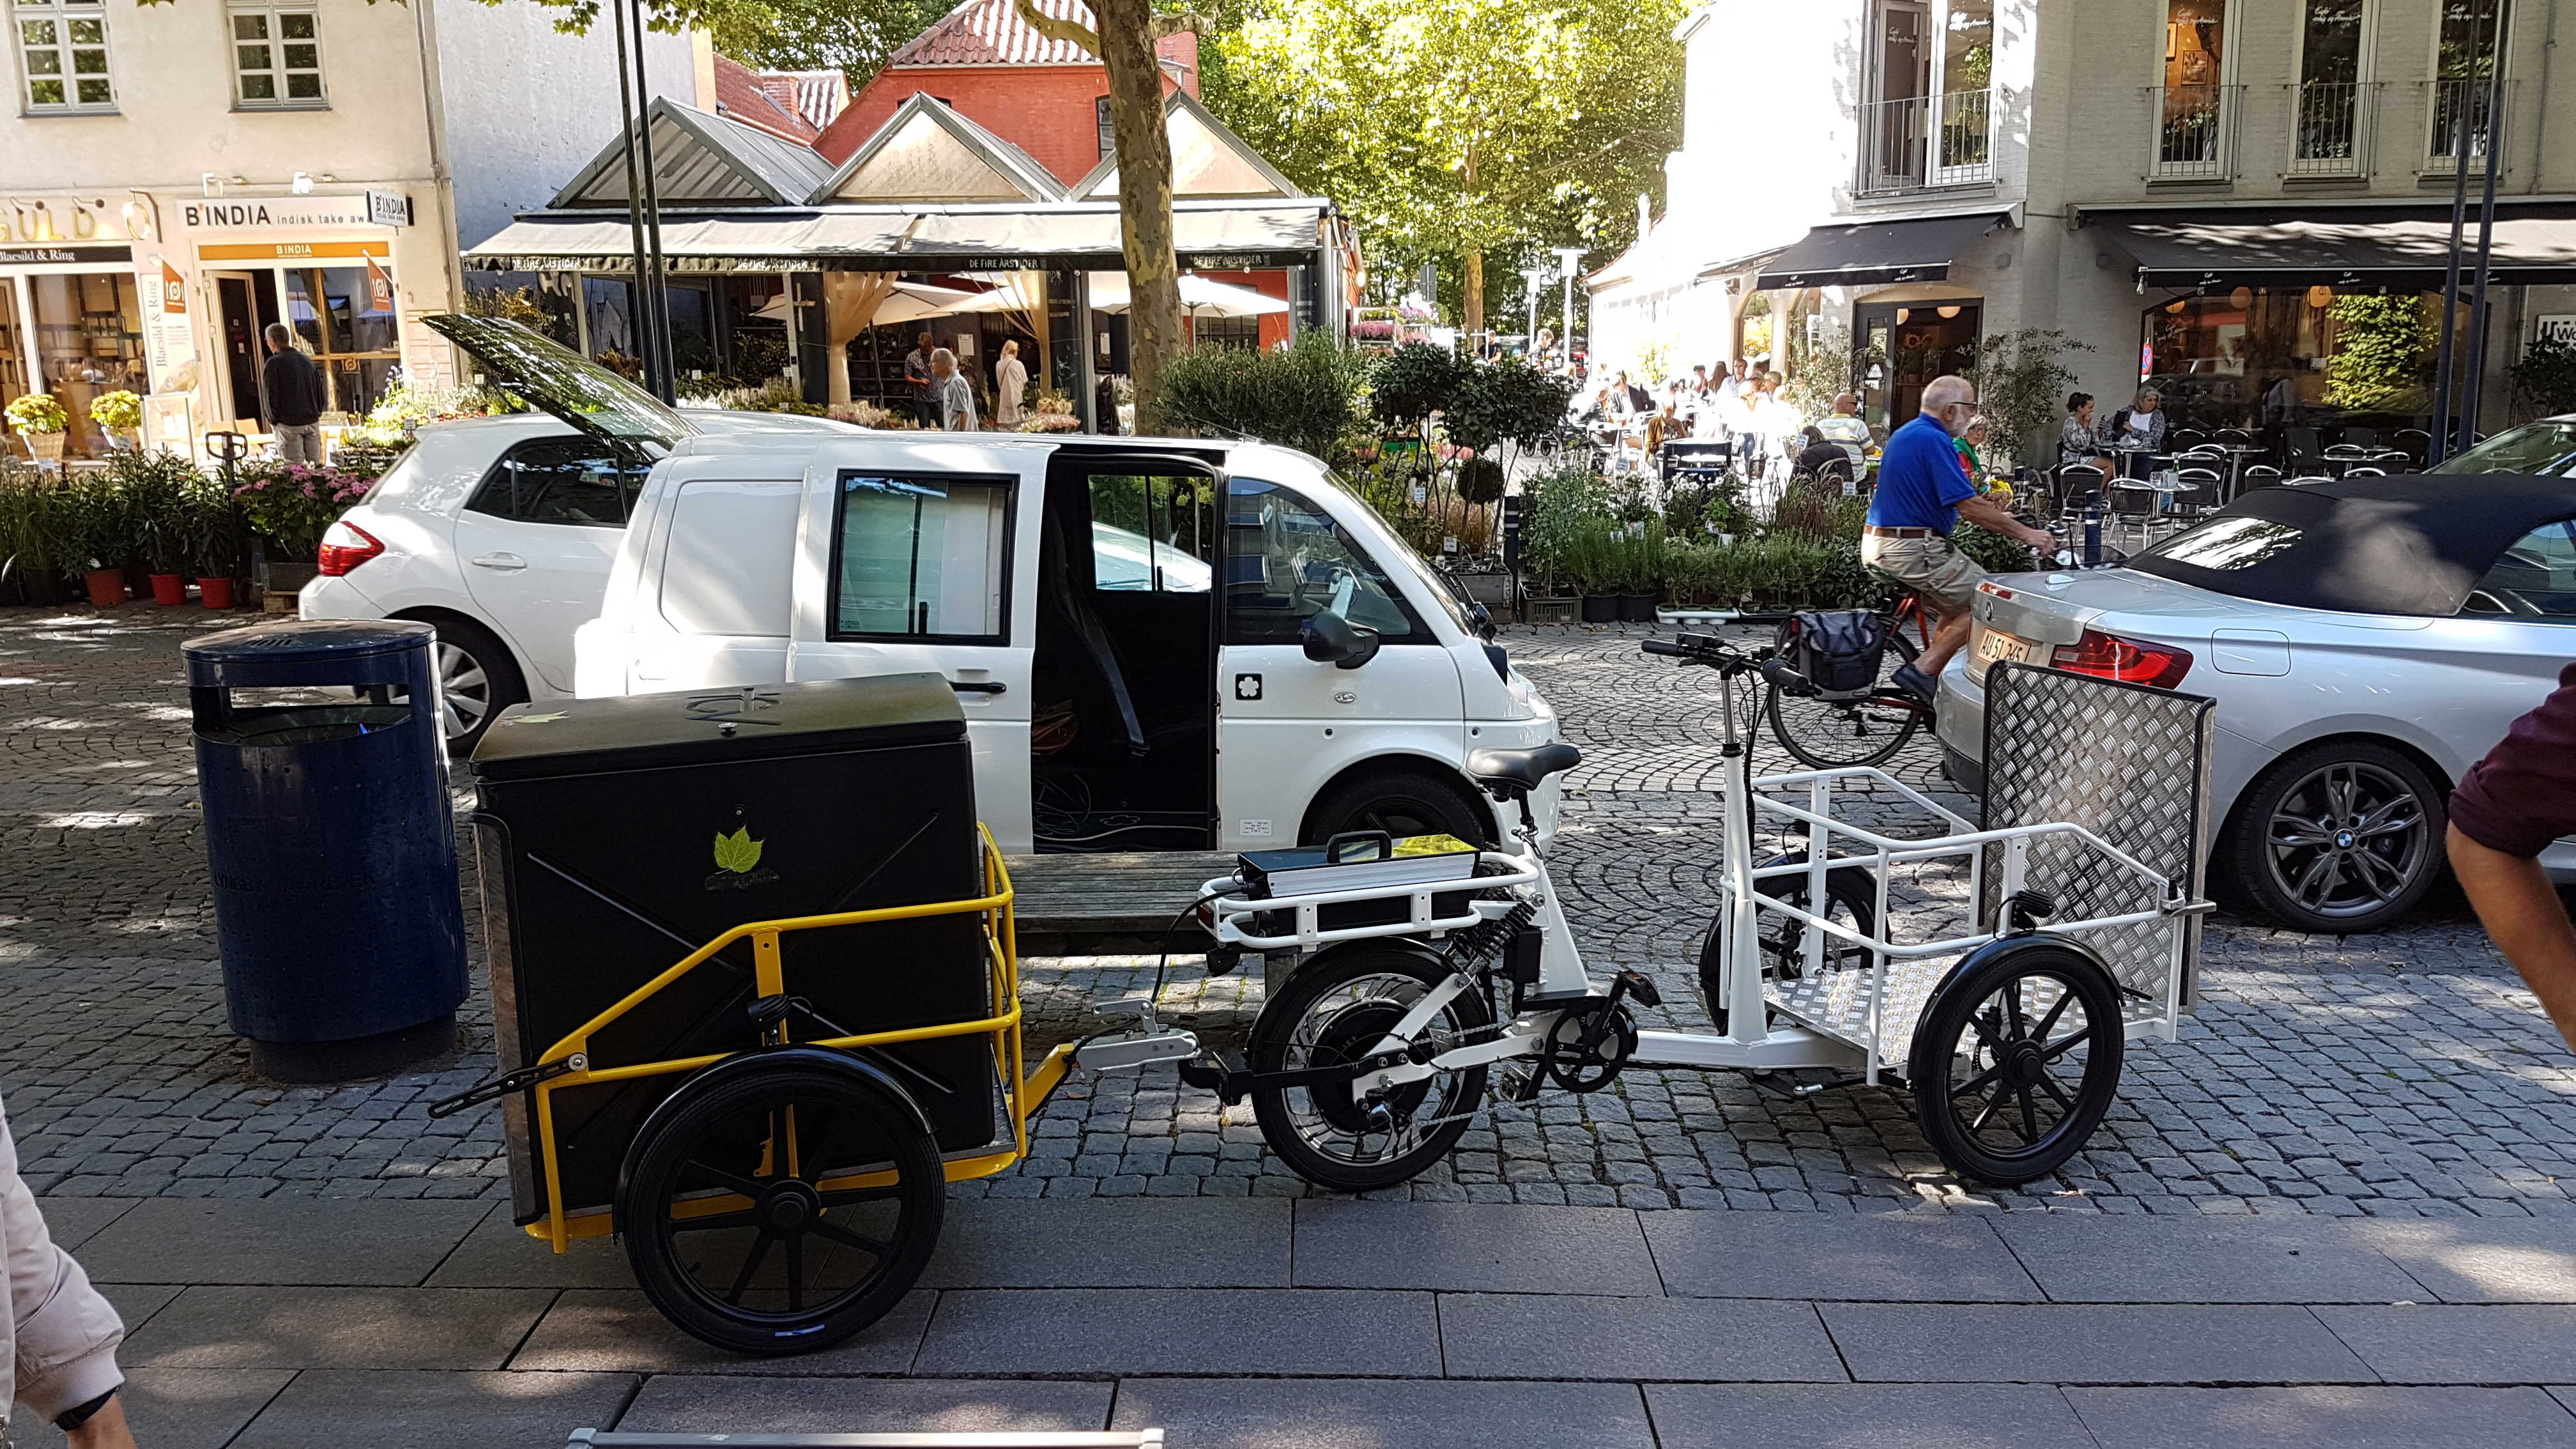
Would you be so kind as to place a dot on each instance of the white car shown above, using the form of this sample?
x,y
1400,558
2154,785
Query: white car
x,y
500,531
2366,641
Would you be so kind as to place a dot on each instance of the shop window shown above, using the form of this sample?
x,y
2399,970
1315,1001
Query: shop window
x,y
277,58
2273,358
345,318
62,51
88,338
922,558
561,480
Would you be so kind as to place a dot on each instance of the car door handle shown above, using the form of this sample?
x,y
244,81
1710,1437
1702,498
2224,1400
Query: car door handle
x,y
977,686
508,563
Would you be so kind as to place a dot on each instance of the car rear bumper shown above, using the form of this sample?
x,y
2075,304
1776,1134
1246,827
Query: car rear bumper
x,y
1959,722
328,596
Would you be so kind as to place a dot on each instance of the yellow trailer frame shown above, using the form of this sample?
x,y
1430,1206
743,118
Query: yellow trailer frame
x,y
1023,1093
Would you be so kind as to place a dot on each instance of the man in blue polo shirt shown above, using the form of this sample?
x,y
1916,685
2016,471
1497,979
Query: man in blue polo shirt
x,y
1923,491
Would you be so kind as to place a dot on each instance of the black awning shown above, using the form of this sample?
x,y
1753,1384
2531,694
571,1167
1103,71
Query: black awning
x,y
1877,253
2397,247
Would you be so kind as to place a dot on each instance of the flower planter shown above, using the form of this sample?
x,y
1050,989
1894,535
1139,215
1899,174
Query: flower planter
x,y
215,593
1636,608
1600,608
106,586
169,589
48,447
280,582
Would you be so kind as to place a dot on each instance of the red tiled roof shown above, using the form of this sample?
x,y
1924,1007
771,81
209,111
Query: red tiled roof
x,y
740,96
991,32
817,95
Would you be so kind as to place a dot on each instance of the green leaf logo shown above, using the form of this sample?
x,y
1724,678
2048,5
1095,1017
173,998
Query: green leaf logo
x,y
737,852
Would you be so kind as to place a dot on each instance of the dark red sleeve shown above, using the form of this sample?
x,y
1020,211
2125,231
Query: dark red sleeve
x,y
2523,794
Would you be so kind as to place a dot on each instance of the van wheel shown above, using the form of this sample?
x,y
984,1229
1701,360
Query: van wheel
x,y
2339,838
1401,803
477,679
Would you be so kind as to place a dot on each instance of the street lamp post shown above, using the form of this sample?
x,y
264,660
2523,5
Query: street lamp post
x,y
1532,278
1567,260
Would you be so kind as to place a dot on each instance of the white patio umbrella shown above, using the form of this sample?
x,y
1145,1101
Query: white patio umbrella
x,y
906,302
1202,297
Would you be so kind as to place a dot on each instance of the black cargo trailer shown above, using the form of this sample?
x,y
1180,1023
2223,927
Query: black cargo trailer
x,y
618,836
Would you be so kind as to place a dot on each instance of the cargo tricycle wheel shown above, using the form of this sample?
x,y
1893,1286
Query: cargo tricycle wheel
x,y
1339,1007
778,1209
2016,1058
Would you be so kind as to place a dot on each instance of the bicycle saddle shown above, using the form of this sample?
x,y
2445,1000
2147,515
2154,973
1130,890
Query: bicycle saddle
x,y
1506,773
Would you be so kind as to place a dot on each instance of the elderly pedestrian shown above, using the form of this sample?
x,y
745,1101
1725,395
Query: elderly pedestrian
x,y
1922,494
1010,384
58,1344
952,397
1844,429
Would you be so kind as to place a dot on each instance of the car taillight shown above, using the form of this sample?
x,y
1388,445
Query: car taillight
x,y
2134,661
345,547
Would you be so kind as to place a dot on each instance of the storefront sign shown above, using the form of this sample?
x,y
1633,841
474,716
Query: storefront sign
x,y
290,251
270,212
2554,327
388,208
42,255
174,290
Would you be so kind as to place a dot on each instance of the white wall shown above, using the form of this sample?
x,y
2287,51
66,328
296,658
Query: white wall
x,y
527,107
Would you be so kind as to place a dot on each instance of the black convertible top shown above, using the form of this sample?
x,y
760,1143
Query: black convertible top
x,y
2407,545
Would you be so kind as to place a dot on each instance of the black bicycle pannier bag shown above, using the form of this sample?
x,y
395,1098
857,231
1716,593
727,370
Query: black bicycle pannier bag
x,y
1836,650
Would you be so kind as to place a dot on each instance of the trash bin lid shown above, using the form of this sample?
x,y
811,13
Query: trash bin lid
x,y
699,726
303,639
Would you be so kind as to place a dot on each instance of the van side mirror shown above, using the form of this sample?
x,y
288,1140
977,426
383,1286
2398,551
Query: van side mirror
x,y
1331,639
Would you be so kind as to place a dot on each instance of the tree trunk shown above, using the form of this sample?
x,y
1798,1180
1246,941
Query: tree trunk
x,y
1472,265
1144,150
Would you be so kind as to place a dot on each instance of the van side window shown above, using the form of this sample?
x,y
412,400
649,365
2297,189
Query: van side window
x,y
922,556
561,480
2534,582
1286,560
1153,534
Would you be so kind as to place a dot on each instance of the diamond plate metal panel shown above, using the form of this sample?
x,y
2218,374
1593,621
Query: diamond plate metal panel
x,y
2129,763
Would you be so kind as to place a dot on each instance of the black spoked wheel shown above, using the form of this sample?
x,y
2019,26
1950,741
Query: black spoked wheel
x,y
1851,901
1340,1007
2016,1059
782,1210
1836,734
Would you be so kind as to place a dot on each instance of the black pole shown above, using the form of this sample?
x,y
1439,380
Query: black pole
x,y
658,287
634,198
2441,429
2476,379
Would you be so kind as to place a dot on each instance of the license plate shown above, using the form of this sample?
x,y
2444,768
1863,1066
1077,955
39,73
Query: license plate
x,y
1995,645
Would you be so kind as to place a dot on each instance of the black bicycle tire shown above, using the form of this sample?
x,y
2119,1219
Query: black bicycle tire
x,y
1914,719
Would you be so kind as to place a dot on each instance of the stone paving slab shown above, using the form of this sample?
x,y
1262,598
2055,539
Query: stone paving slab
x,y
1865,1416
2074,1343
500,1254
1113,1243
136,1304
618,1331
2324,1417
2487,1261
178,1408
222,1326
1472,1248
1903,1257
1557,1336
73,1221
708,1404
2203,1260
324,1409
287,1242
1104,1332
1385,1414
2503,1343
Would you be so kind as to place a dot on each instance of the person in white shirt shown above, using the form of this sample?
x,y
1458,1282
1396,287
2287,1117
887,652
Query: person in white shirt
x,y
1731,386
1010,382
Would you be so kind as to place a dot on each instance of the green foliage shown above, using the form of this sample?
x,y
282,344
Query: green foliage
x,y
2022,380
1302,398
97,523
2384,346
35,524
1505,401
1698,510
2545,376
853,37
1556,506
1413,382
1993,552
156,487
1480,481
218,537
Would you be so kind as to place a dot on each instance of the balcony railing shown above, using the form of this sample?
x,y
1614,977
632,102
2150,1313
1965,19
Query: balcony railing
x,y
2194,132
1920,142
2330,125
2455,107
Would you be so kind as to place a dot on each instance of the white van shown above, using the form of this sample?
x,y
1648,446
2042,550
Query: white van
x,y
1159,644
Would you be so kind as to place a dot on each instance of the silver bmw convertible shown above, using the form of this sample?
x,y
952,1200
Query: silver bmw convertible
x,y
2367,641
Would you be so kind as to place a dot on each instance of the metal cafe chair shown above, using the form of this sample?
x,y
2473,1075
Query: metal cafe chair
x,y
2306,478
2365,471
2361,437
2241,437
2184,440
2077,482
2416,443
2134,503
2258,475
2306,452
2198,494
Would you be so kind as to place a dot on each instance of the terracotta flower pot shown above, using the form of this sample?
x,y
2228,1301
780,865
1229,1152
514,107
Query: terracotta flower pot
x,y
106,586
215,593
169,589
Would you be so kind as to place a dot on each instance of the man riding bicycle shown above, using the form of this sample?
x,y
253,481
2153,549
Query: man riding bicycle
x,y
1922,493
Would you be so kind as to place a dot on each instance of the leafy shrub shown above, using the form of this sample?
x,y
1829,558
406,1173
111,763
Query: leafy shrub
x,y
156,499
292,505
1303,397
1415,381
1480,481
1506,401
2545,376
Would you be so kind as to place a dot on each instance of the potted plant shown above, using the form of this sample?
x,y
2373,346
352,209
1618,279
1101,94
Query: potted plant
x,y
1592,558
121,413
34,550
292,505
217,542
40,419
156,498
98,524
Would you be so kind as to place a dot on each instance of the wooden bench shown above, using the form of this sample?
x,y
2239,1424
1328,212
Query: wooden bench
x,y
1110,904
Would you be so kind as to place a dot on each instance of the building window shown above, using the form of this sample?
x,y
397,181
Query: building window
x,y
2332,116
62,48
2464,66
277,57
2194,124
1108,130
1929,118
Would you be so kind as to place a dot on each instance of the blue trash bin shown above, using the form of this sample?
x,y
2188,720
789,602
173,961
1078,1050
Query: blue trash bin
x,y
332,845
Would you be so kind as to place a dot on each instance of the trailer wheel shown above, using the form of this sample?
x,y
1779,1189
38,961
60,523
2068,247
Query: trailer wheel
x,y
779,1211
2016,1058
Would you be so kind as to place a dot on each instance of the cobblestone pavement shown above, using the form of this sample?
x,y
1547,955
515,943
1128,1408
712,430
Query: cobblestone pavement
x,y
2401,1073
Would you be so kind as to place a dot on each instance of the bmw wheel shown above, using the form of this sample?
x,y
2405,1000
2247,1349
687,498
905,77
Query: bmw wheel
x,y
2340,838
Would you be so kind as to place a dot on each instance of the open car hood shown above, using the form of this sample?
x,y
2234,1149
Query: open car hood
x,y
556,380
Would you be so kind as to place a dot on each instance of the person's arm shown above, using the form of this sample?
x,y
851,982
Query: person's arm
x,y
2522,913
2506,811
1985,512
63,1333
